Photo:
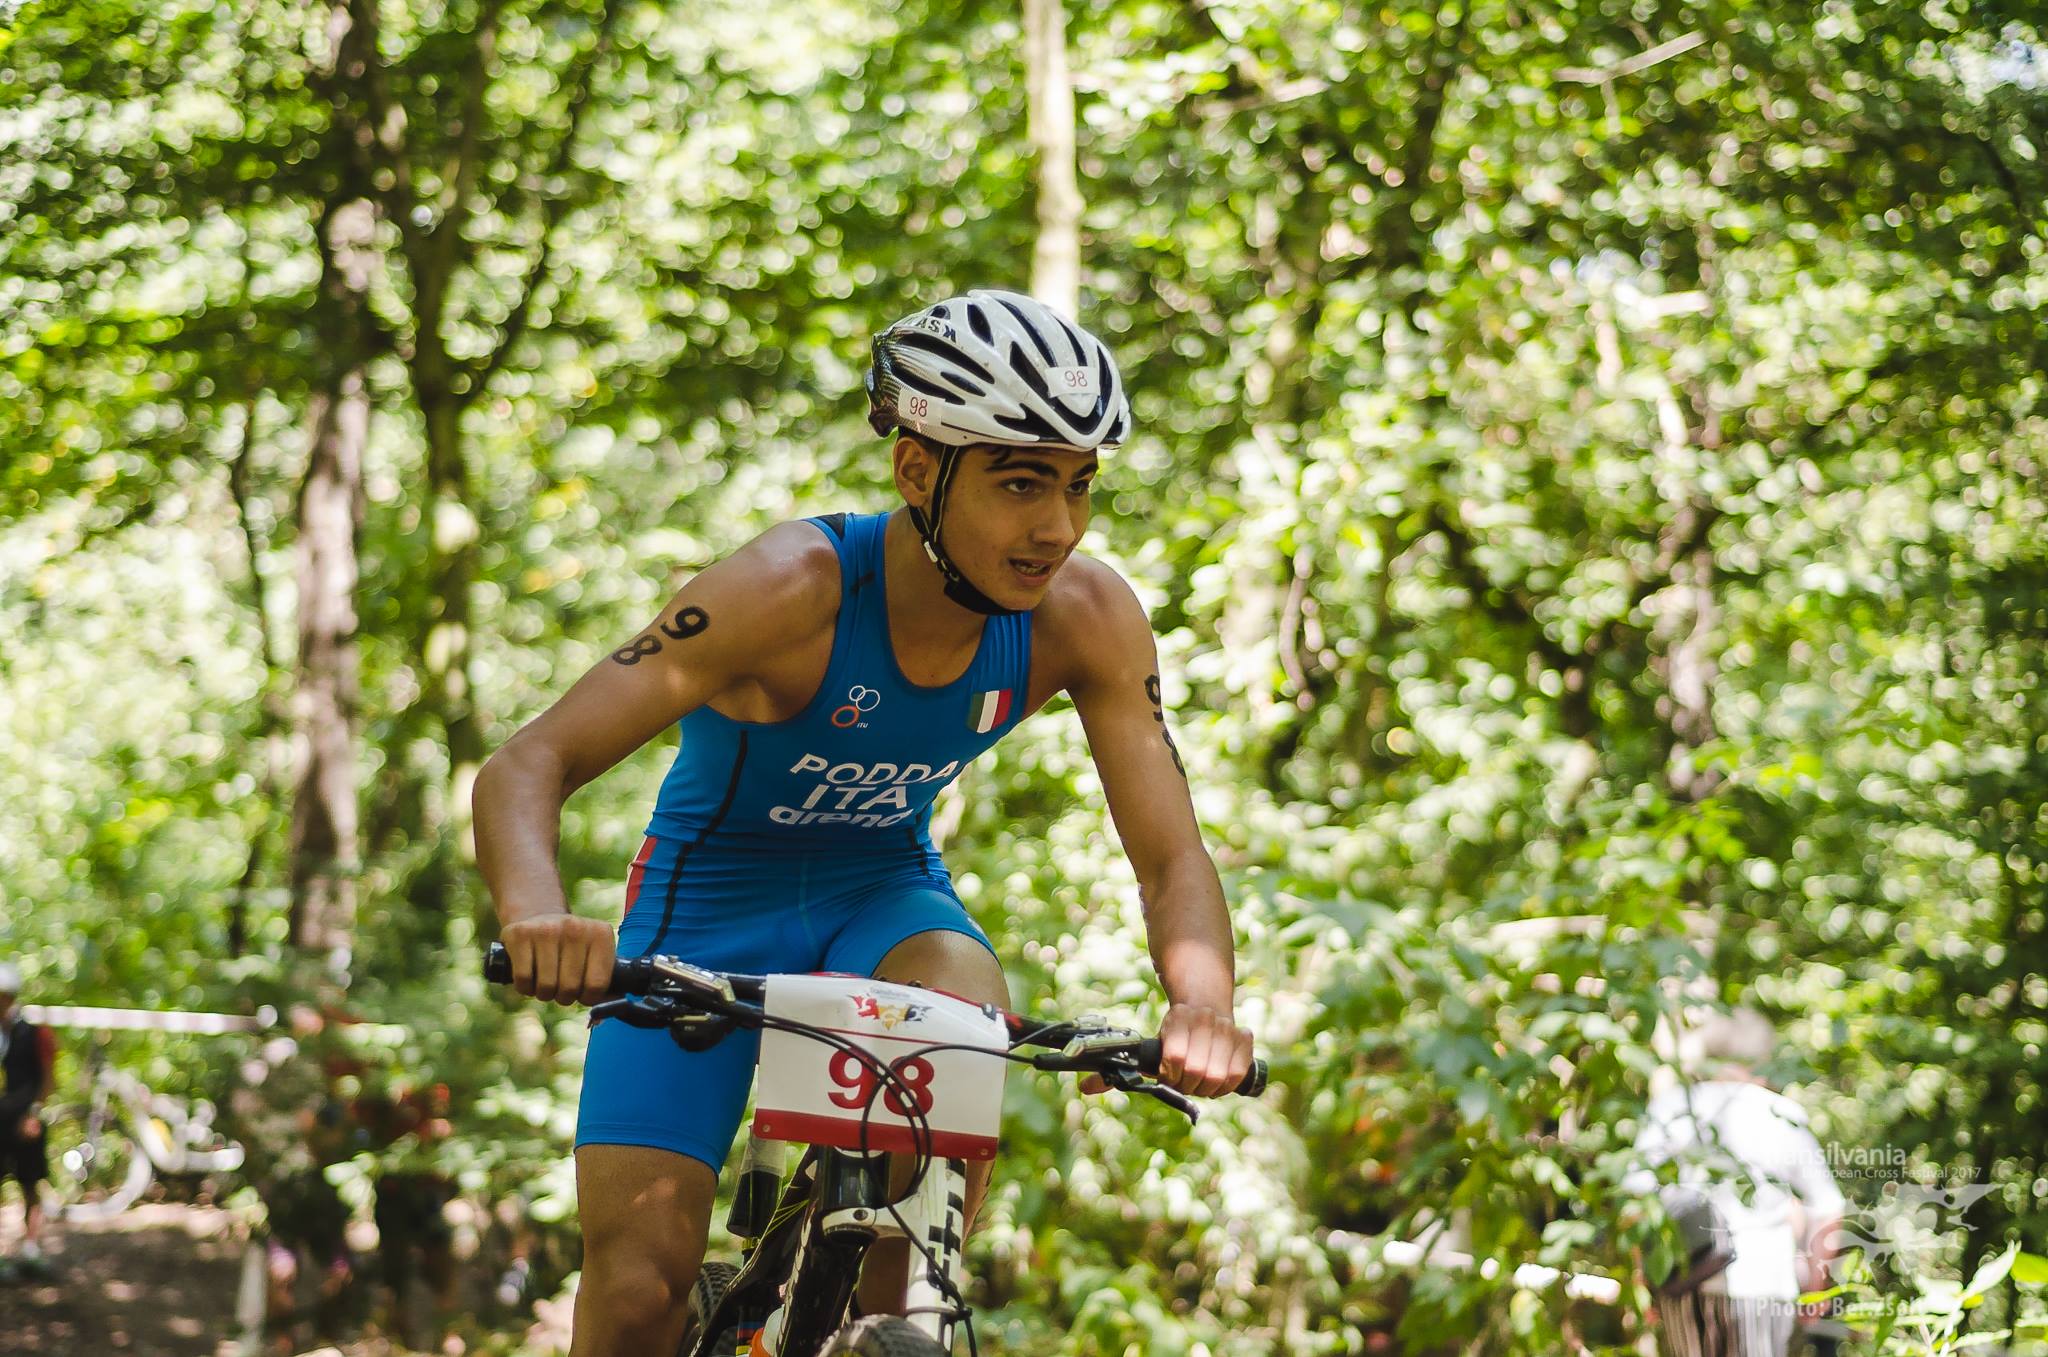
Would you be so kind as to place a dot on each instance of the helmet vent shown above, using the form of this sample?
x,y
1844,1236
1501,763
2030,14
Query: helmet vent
x,y
932,344
916,382
1080,354
1029,329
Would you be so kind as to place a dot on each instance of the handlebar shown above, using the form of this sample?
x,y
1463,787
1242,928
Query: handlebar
x,y
1076,1049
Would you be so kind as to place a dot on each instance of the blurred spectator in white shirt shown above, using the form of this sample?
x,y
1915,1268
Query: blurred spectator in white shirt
x,y
1746,1148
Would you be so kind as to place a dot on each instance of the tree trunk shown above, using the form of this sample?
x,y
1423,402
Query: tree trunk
x,y
1056,260
453,541
1689,668
325,847
274,729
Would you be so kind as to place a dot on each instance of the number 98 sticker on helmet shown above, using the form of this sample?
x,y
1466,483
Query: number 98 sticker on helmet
x,y
860,700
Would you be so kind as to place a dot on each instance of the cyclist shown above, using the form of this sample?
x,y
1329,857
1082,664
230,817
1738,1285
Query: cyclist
x,y
829,678
27,1054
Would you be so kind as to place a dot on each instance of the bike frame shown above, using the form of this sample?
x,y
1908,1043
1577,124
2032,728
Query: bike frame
x,y
833,1211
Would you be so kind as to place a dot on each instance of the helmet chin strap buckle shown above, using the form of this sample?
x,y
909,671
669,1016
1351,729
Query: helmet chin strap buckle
x,y
958,587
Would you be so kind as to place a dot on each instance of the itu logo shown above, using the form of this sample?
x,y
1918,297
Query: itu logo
x,y
859,702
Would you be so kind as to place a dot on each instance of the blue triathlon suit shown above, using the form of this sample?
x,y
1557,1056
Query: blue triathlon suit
x,y
797,845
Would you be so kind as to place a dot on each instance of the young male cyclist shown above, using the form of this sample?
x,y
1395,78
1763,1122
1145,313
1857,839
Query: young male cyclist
x,y
830,677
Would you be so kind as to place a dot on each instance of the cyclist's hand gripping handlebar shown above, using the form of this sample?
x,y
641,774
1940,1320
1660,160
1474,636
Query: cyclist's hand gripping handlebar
x,y
1120,1056
648,974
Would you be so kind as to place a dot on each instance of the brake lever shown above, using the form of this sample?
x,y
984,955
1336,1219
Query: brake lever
x,y
1130,1081
651,1014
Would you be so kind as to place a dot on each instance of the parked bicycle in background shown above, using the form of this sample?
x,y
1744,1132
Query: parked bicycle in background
x,y
111,1144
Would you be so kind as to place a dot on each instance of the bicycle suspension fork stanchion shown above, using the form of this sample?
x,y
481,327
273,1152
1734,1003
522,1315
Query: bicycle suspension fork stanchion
x,y
937,1277
851,1216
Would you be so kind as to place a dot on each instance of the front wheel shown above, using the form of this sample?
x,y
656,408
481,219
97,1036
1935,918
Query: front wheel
x,y
714,1279
883,1336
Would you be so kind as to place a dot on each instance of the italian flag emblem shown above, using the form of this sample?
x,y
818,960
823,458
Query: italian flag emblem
x,y
988,710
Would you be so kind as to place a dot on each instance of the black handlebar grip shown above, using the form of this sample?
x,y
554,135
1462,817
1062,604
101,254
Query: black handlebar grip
x,y
1251,1086
629,975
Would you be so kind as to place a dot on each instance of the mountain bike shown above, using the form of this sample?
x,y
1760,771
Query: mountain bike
x,y
107,1150
855,1070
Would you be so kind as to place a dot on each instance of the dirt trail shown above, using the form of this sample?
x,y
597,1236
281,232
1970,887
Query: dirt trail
x,y
161,1281
158,1281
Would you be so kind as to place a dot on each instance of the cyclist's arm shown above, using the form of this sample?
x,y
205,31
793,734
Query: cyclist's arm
x,y
1115,687
769,595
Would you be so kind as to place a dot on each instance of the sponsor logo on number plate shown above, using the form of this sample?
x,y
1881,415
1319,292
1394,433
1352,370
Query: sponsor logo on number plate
x,y
884,1012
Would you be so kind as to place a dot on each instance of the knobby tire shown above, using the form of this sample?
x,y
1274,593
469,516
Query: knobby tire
x,y
714,1279
882,1336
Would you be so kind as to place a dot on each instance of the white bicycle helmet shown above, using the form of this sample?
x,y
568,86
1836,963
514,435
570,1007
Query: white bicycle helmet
x,y
991,367
997,367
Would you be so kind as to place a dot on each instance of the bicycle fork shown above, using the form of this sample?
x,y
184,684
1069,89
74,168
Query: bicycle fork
x,y
851,1215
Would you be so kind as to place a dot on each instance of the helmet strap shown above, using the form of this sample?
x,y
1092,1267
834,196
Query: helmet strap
x,y
958,587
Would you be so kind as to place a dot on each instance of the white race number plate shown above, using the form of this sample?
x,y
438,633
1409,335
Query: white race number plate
x,y
814,1093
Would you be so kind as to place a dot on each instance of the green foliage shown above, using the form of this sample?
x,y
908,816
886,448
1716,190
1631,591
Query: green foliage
x,y
1592,507
1934,1318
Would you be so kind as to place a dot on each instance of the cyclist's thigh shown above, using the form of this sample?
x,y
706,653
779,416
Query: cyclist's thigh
x,y
639,1087
946,960
914,929
644,1213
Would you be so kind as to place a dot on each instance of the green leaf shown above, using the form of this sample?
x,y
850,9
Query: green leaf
x,y
1816,1297
1990,1274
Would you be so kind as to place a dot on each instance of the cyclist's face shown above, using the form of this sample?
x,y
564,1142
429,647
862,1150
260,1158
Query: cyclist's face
x,y
1013,517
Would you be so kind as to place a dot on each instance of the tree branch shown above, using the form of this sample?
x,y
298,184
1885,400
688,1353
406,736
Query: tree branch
x,y
385,131
1505,605
444,237
1243,79
1399,248
1628,66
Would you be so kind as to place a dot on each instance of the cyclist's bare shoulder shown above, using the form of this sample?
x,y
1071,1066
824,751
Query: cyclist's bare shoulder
x,y
740,627
745,612
1091,624
779,589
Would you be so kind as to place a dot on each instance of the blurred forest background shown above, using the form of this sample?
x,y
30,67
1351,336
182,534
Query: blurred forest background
x,y
1590,484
